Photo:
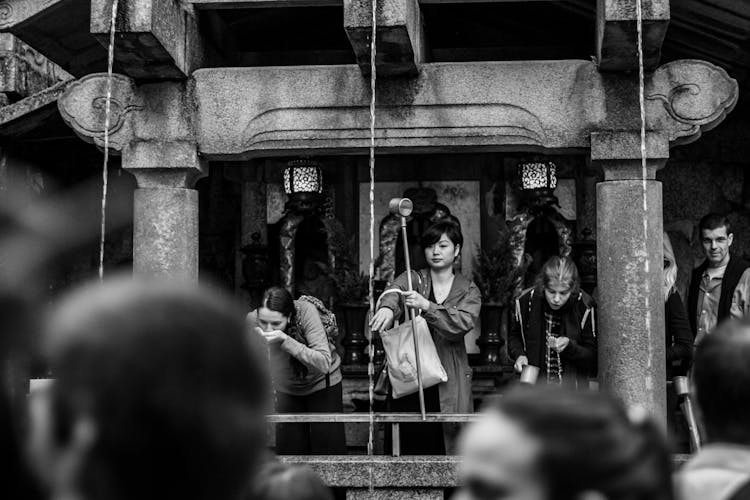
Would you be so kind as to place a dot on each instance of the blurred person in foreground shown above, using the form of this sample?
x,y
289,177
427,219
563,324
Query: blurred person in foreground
x,y
280,481
721,371
553,443
158,393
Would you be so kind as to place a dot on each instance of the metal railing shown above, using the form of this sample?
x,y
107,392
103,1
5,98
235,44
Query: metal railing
x,y
394,419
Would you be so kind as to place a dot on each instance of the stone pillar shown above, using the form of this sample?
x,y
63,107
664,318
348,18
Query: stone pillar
x,y
630,266
165,218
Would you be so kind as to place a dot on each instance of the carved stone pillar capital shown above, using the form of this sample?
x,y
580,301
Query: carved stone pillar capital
x,y
619,153
83,104
158,164
687,97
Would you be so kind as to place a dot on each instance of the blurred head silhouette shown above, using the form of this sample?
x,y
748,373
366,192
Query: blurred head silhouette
x,y
158,393
545,443
722,382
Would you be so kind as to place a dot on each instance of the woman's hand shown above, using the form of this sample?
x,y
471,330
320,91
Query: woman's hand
x,y
416,301
382,320
273,336
520,363
561,343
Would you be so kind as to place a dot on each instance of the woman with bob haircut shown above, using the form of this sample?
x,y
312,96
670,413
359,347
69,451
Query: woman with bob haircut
x,y
554,327
450,303
553,443
305,370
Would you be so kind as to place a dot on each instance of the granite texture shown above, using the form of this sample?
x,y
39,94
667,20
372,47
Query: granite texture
x,y
363,471
631,301
616,39
165,233
247,112
400,35
157,39
395,494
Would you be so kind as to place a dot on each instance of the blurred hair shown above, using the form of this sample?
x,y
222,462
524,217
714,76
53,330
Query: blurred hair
x,y
447,227
176,388
670,272
714,221
279,481
722,382
560,269
588,443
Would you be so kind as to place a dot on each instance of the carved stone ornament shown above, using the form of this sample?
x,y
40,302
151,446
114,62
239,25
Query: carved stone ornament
x,y
687,97
83,105
14,12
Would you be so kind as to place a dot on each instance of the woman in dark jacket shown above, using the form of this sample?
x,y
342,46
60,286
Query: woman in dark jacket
x,y
450,304
677,334
678,337
554,327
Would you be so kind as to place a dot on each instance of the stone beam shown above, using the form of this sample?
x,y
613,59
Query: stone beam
x,y
27,114
59,29
148,113
255,4
16,13
263,4
617,37
400,36
156,39
24,70
550,105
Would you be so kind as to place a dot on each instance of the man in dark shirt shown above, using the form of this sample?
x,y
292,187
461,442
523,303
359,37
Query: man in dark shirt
x,y
720,286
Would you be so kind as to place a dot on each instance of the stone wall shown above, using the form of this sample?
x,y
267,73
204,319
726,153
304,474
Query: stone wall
x,y
708,176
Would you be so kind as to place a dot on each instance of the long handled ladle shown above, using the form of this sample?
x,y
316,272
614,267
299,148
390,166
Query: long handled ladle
x,y
403,207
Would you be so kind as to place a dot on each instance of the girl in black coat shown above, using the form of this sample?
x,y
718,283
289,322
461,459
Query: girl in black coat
x,y
554,327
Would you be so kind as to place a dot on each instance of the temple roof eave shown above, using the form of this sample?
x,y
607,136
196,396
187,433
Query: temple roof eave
x,y
27,114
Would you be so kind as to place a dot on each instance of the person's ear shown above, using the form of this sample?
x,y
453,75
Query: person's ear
x,y
591,495
457,251
730,239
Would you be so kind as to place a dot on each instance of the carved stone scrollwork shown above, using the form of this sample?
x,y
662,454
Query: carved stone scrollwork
x,y
687,97
14,12
6,14
83,103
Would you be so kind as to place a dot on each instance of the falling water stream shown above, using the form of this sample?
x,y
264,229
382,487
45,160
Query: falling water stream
x,y
644,183
371,347
107,112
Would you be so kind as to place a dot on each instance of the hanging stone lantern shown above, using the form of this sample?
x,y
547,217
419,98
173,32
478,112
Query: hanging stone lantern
x,y
303,183
538,183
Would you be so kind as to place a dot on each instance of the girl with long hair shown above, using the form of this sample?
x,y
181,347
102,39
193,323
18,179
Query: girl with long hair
x,y
554,327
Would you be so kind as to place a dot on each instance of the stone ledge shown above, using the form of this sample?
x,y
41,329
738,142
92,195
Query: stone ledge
x,y
363,471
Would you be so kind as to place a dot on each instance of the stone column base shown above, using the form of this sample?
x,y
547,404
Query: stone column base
x,y
394,494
